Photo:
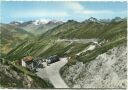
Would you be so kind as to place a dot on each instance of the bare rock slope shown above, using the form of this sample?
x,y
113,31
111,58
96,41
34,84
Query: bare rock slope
x,y
108,70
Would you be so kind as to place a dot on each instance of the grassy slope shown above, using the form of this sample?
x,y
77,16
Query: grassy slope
x,y
88,56
110,35
73,29
11,36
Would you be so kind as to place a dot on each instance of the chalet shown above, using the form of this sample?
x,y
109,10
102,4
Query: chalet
x,y
27,62
31,63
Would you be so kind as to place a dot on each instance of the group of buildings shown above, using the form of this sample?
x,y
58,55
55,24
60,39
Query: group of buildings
x,y
32,64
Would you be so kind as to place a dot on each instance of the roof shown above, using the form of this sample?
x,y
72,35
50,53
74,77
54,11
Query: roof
x,y
27,58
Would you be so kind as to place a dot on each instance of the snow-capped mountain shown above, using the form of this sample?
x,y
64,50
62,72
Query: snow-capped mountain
x,y
36,22
15,22
105,20
117,19
92,19
40,21
38,26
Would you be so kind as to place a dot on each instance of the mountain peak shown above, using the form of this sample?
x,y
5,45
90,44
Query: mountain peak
x,y
40,21
92,19
72,21
15,23
45,21
117,19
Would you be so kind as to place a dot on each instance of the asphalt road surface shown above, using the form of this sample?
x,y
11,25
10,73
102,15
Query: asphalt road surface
x,y
52,73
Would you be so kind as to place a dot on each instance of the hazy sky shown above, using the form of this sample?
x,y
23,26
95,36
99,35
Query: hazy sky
x,y
30,10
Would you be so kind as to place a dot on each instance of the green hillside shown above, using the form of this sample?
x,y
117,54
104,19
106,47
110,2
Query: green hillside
x,y
87,29
108,35
11,36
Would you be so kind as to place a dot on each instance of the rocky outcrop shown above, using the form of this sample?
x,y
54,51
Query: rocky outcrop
x,y
108,70
10,77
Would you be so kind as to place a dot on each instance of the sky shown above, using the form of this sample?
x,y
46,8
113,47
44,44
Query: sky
x,y
31,10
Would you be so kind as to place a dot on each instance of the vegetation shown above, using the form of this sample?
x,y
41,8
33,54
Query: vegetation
x,y
12,36
19,81
108,34
88,56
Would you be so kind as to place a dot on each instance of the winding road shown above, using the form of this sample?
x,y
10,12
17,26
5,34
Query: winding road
x,y
84,41
52,73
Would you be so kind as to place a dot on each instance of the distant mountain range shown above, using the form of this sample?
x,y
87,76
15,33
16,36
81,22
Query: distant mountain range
x,y
37,26
90,28
40,26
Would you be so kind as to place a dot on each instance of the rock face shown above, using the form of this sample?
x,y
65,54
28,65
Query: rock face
x,y
12,78
108,70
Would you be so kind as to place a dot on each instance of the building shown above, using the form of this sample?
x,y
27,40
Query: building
x,y
27,62
53,59
31,63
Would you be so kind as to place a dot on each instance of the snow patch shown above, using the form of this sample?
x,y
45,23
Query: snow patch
x,y
91,47
40,21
